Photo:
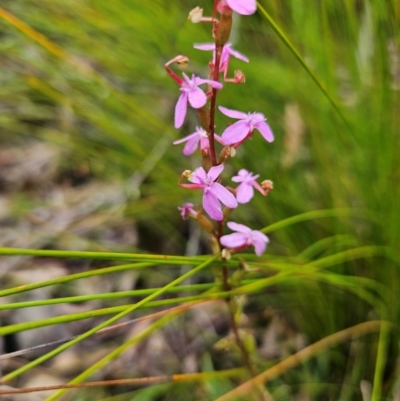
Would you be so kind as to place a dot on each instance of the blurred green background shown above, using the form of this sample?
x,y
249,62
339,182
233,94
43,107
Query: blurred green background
x,y
85,98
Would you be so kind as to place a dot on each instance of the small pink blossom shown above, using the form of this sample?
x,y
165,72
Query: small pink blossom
x,y
244,192
240,130
186,210
245,237
214,192
193,94
193,140
227,52
244,7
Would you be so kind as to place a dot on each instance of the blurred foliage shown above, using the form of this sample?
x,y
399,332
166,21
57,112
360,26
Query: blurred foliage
x,y
89,80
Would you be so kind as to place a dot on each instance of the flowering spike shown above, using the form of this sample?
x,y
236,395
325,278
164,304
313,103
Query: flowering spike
x,y
207,178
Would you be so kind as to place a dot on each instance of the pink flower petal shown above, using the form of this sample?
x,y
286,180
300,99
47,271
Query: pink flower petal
x,y
259,247
187,79
223,195
198,176
197,98
232,113
234,240
242,175
212,206
215,171
236,54
240,228
235,132
186,138
180,110
204,46
259,236
218,138
265,131
191,145
244,193
244,7
214,84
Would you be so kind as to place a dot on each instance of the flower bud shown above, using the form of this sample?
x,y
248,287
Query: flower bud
x,y
206,161
204,117
226,211
225,26
205,223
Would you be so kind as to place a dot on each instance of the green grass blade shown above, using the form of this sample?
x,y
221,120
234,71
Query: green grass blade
x,y
128,310
302,62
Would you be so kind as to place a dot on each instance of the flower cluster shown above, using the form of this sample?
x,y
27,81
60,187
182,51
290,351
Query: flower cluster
x,y
219,200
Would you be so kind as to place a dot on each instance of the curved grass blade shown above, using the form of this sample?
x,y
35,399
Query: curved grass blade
x,y
124,347
317,214
73,317
38,361
114,327
304,355
300,59
100,255
137,381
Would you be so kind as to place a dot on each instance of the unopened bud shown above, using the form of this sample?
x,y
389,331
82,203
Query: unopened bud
x,y
239,77
205,223
267,185
206,160
196,15
226,211
224,30
204,117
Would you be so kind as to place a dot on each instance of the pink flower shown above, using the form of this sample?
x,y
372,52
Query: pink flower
x,y
214,193
240,130
244,7
244,192
193,94
186,210
227,52
193,140
245,237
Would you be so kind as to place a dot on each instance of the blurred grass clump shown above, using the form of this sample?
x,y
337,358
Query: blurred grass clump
x,y
85,102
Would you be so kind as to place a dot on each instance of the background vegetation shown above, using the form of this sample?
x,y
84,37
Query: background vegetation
x,y
87,164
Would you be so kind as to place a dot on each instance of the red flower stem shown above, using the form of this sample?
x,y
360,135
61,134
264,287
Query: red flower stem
x,y
213,104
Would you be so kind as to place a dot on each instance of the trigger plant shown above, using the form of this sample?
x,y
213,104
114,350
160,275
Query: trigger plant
x,y
219,201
